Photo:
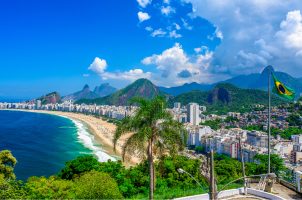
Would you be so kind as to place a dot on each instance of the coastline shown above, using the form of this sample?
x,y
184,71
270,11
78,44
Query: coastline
x,y
102,130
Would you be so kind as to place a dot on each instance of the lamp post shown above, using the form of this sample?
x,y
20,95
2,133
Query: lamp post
x,y
182,171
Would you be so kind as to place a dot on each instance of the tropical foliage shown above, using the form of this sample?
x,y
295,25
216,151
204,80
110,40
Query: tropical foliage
x,y
152,130
214,124
111,180
7,164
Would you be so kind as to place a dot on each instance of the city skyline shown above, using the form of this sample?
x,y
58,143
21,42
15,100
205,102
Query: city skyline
x,y
60,46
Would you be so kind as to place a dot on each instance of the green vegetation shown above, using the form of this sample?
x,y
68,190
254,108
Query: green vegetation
x,y
96,185
7,164
214,124
11,189
228,169
85,184
86,178
49,188
139,88
294,119
231,119
277,164
199,149
286,133
226,98
154,131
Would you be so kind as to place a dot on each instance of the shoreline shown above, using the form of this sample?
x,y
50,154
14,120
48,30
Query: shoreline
x,y
102,130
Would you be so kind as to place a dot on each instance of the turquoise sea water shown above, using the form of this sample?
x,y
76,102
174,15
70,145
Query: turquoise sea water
x,y
42,143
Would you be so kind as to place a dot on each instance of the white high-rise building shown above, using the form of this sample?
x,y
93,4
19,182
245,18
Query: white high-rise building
x,y
193,114
38,104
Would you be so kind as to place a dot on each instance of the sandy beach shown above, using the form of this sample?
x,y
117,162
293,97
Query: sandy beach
x,y
103,131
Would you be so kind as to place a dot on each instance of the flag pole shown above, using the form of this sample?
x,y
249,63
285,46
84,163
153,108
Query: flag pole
x,y
269,120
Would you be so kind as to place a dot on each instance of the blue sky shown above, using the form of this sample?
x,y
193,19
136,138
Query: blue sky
x,y
54,45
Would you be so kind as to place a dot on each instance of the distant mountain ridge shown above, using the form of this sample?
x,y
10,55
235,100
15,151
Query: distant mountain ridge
x,y
139,88
225,97
187,87
104,90
99,91
250,81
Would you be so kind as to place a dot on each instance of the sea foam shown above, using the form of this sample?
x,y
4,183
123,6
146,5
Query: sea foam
x,y
88,140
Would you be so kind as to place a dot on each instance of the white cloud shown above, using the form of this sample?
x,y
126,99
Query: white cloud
x,y
149,28
158,33
166,1
291,30
186,24
173,34
172,67
255,33
143,16
202,49
129,76
175,67
144,3
98,65
218,33
167,10
197,50
177,27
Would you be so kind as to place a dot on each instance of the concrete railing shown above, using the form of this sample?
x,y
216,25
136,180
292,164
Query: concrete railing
x,y
233,192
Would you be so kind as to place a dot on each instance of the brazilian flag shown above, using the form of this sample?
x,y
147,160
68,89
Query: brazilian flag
x,y
282,90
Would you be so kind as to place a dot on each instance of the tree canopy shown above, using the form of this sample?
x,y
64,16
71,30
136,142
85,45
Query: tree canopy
x,y
7,164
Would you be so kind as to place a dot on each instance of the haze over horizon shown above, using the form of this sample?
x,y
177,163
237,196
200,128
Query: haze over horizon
x,y
61,46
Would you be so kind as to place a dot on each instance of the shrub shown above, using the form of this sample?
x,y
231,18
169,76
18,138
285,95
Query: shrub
x,y
76,167
49,188
96,185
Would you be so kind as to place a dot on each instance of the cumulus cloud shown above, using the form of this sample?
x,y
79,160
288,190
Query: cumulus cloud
x,y
143,3
253,34
175,67
291,30
143,16
171,67
98,65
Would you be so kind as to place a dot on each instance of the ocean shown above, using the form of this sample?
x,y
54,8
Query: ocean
x,y
42,143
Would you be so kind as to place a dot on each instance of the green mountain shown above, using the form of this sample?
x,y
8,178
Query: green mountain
x,y
225,97
141,88
53,97
259,81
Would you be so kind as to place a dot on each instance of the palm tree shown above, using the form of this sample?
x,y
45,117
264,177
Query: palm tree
x,y
152,132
